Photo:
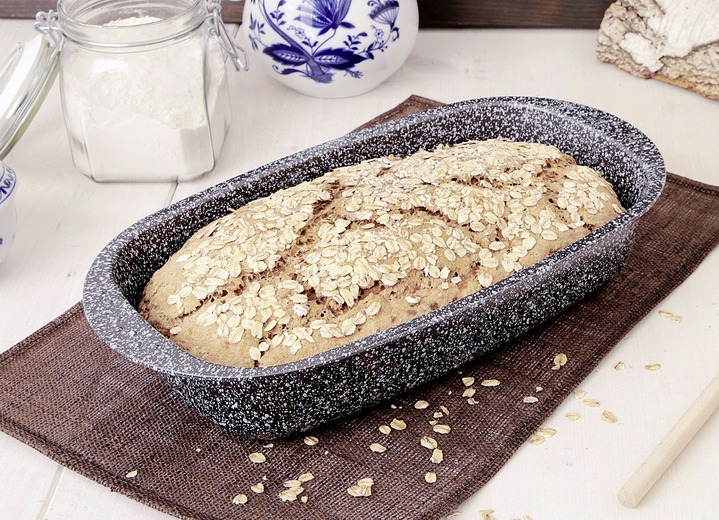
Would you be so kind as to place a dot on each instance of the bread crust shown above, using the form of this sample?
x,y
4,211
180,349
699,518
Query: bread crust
x,y
368,246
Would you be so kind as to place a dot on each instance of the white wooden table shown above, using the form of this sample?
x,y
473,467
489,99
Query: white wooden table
x,y
65,219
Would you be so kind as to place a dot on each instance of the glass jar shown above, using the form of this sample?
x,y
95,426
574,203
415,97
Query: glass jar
x,y
143,85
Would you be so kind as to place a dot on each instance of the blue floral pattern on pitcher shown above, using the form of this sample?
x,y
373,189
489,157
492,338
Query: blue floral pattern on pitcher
x,y
320,57
7,182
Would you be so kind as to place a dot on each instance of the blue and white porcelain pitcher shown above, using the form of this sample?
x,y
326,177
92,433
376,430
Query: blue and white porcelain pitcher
x,y
8,216
330,48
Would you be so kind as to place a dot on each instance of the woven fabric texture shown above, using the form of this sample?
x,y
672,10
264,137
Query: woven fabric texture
x,y
65,393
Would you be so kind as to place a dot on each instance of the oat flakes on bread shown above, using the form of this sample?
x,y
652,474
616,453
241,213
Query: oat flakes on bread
x,y
369,246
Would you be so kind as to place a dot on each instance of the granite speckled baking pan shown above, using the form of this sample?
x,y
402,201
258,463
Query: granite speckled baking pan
x,y
282,400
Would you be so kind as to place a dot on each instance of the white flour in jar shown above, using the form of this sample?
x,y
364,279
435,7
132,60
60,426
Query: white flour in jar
x,y
132,20
142,115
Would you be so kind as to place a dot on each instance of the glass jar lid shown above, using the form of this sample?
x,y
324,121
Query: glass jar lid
x,y
25,79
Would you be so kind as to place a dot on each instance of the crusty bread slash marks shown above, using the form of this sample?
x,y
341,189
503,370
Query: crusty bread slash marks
x,y
369,246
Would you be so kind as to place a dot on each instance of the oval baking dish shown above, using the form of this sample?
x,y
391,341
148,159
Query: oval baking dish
x,y
269,402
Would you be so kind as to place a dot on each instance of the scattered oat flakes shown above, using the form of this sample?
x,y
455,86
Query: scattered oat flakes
x,y
490,382
453,514
270,445
572,416
433,422
304,499
486,514
539,388
258,488
668,314
363,488
579,394
468,381
383,428
437,456
398,424
546,431
257,458
421,405
653,366
437,415
175,330
131,474
469,392
442,428
430,477
593,403
291,494
471,400
536,439
559,361
294,488
377,447
609,417
311,440
445,411
428,442
619,365
530,399
240,499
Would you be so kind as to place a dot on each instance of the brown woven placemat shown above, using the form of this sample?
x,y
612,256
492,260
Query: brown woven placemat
x,y
66,394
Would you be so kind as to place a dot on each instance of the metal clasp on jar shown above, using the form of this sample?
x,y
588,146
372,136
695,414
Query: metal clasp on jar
x,y
47,25
219,32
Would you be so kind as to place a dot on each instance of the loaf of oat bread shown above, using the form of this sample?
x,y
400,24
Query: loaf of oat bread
x,y
369,246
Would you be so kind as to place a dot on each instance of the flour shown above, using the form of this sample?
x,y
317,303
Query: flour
x,y
132,20
157,112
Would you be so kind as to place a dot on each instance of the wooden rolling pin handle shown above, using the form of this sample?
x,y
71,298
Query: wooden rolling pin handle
x,y
672,445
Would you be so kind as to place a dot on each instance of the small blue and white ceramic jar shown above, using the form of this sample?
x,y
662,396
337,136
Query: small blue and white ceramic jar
x,y
330,48
8,216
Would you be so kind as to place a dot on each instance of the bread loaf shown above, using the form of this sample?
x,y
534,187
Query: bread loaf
x,y
369,246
